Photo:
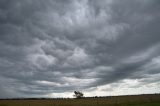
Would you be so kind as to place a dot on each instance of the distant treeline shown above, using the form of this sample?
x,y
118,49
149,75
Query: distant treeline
x,y
75,98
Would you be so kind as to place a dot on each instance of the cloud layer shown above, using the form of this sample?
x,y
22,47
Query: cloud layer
x,y
49,48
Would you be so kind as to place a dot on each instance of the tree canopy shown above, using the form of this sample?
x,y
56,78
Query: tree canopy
x,y
78,94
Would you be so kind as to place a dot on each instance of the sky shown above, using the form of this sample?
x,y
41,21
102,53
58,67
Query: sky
x,y
50,48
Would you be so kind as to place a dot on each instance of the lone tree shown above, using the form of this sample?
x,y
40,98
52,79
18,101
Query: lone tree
x,y
78,94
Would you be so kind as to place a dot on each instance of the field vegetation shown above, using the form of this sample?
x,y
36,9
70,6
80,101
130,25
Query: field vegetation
x,y
134,100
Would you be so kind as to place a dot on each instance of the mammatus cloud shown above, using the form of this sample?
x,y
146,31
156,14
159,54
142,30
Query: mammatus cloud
x,y
51,48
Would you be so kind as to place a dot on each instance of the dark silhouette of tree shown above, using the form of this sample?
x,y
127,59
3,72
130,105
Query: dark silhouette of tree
x,y
78,94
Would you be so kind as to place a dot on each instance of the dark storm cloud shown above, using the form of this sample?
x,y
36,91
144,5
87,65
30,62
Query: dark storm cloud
x,y
62,45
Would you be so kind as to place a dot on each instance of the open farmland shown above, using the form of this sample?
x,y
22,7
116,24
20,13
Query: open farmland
x,y
135,100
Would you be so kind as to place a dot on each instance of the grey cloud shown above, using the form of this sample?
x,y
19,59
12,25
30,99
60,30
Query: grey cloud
x,y
58,42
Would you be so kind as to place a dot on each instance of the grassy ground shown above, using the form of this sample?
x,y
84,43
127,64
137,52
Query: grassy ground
x,y
141,100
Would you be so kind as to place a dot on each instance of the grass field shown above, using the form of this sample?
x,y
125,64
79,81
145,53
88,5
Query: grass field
x,y
136,100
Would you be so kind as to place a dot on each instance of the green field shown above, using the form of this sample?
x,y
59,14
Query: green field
x,y
139,100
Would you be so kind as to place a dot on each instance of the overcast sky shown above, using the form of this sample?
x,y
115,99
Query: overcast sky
x,y
49,48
